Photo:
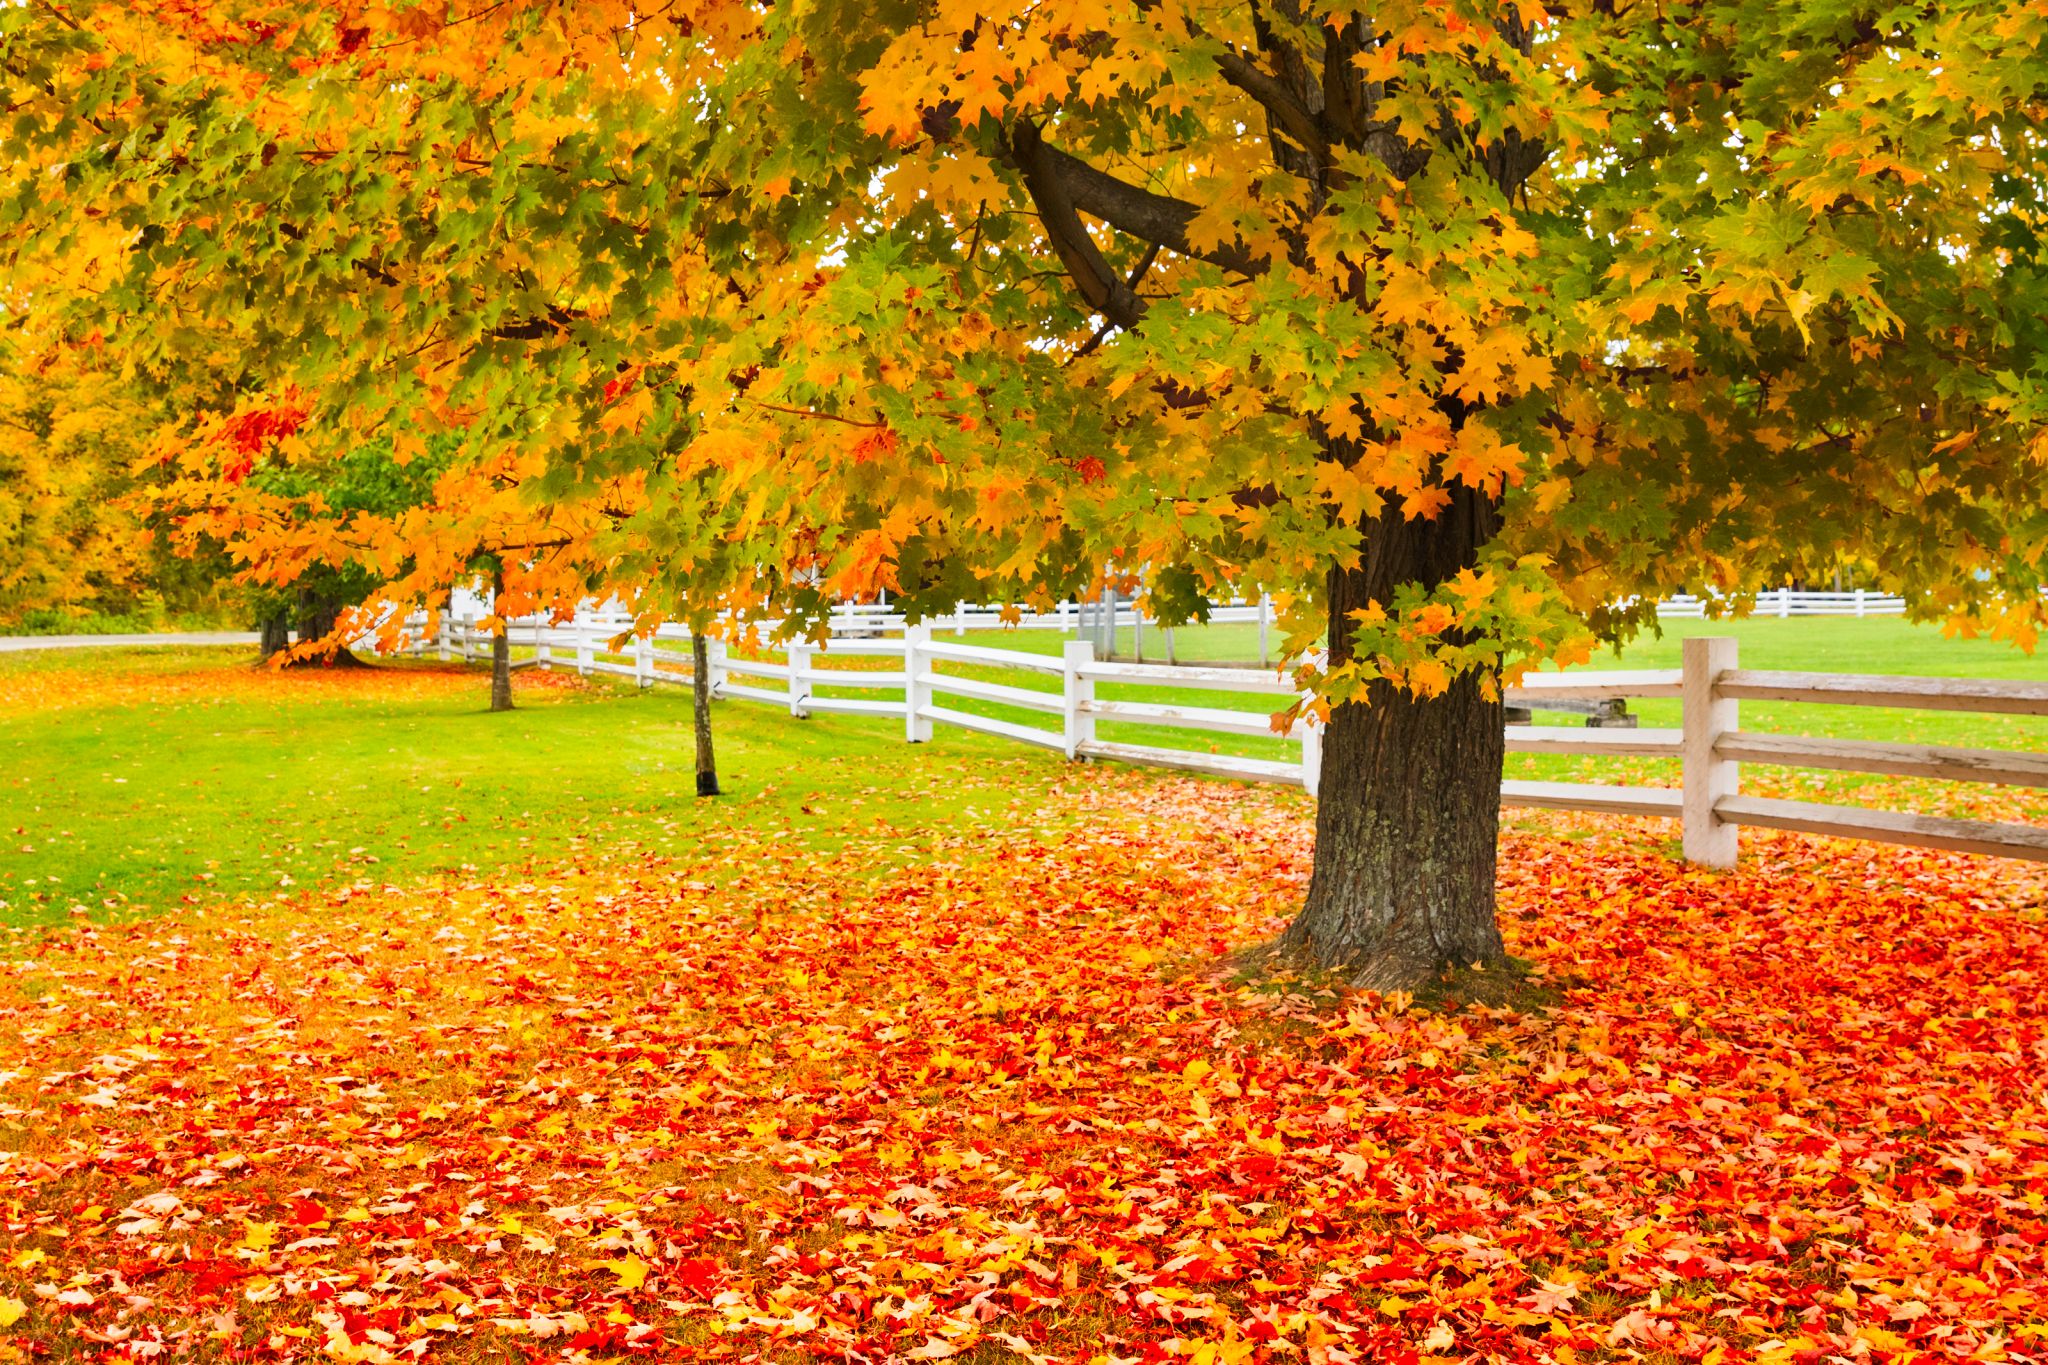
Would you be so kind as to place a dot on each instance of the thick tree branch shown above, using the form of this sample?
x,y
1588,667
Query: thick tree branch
x,y
1144,264
1141,213
1105,293
1289,114
1155,217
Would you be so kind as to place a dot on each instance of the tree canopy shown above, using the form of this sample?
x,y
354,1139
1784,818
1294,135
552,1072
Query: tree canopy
x,y
1468,330
1697,301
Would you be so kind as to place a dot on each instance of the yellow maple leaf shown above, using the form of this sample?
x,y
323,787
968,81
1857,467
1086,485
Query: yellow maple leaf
x,y
632,1272
1343,420
1407,297
11,1311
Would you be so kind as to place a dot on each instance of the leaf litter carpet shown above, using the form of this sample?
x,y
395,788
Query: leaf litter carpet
x,y
1012,1102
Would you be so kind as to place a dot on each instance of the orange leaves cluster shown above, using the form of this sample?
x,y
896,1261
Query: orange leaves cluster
x,y
1000,1099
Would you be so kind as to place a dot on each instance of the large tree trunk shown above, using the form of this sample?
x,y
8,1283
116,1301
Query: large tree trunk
x,y
700,690
277,634
1409,806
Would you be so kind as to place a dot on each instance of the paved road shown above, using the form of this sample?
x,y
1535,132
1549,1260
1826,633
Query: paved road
x,y
11,644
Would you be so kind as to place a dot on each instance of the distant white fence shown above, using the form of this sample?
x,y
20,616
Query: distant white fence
x,y
1109,618
1709,743
1787,602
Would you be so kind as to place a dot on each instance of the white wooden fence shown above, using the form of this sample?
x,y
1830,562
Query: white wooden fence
x,y
1788,602
1109,617
1710,743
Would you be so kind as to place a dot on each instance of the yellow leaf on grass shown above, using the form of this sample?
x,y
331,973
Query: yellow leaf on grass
x,y
11,1311
632,1272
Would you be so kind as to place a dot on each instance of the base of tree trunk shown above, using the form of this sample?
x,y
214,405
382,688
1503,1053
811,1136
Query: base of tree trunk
x,y
1407,821
707,785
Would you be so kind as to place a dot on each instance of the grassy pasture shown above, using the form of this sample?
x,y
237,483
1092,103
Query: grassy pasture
x,y
130,779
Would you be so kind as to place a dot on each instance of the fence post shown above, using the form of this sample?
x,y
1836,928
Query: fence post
x,y
643,660
714,655
543,652
1784,602
1265,614
1708,778
1859,601
917,686
1080,724
959,620
798,655
445,656
584,653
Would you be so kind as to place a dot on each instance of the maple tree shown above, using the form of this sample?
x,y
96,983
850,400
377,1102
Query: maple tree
x,y
1465,330
58,466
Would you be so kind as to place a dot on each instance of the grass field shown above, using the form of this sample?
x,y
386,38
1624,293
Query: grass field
x,y
132,779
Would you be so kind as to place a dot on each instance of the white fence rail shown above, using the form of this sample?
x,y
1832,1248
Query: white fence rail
x,y
1792,602
1710,743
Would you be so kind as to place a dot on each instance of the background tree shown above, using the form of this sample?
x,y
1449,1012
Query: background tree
x,y
355,543
1466,330
78,542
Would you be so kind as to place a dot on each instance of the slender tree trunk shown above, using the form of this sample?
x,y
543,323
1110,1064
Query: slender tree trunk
x,y
501,670
1409,808
700,691
501,650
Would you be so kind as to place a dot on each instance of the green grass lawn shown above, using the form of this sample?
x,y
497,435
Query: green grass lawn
x,y
128,804
131,788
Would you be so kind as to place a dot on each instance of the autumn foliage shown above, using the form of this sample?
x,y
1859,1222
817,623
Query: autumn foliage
x,y
1014,1101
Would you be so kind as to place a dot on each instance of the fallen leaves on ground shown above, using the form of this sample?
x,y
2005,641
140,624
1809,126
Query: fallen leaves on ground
x,y
1012,1100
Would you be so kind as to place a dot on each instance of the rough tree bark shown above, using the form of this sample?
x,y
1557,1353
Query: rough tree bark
x,y
700,689
501,653
1409,807
277,634
318,615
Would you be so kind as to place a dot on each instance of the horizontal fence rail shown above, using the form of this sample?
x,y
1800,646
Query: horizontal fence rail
x,y
924,687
